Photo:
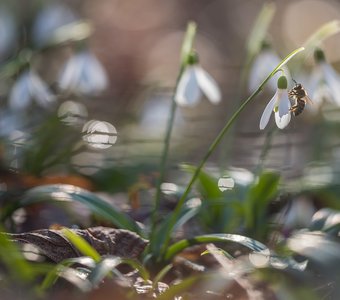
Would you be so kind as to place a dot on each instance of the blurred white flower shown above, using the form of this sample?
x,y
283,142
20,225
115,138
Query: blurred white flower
x,y
279,104
83,74
298,214
8,32
49,19
193,83
29,87
264,63
324,84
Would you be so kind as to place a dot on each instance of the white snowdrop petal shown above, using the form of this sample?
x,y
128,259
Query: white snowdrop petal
x,y
332,80
40,91
70,74
49,19
284,103
208,85
188,91
8,32
283,121
268,111
264,63
20,96
95,73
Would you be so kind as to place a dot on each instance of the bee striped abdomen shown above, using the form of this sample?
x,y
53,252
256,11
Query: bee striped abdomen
x,y
299,95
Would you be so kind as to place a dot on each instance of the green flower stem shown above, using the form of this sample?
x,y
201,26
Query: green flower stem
x,y
218,139
165,155
185,52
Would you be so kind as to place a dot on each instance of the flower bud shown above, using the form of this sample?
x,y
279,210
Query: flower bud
x,y
319,55
192,58
282,83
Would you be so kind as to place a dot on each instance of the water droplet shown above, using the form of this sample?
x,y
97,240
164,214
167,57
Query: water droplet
x,y
226,183
88,163
260,259
194,203
99,134
72,113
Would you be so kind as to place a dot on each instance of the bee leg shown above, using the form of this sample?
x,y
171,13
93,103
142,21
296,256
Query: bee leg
x,y
294,107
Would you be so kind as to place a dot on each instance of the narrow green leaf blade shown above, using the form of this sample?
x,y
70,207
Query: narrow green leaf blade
x,y
83,246
211,238
67,193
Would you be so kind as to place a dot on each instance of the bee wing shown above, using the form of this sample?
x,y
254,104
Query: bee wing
x,y
307,99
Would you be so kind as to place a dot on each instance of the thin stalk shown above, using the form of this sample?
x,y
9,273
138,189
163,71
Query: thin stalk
x,y
185,51
165,153
218,139
265,150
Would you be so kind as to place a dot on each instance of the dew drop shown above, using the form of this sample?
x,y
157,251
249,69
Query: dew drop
x,y
226,183
72,113
99,134
260,259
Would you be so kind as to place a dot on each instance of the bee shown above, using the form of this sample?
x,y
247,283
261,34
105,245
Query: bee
x,y
300,96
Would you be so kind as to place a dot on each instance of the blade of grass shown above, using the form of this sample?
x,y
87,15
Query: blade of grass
x,y
53,275
185,51
82,245
211,238
103,269
15,262
68,193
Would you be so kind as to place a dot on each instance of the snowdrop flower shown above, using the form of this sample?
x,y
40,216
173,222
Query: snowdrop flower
x,y
50,18
29,87
83,74
264,63
280,104
194,82
8,32
324,81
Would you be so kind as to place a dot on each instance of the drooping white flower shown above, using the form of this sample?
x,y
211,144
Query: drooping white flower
x,y
324,82
264,63
279,104
53,16
28,87
83,74
8,32
195,82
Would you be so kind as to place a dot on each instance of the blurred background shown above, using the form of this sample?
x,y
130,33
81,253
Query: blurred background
x,y
108,69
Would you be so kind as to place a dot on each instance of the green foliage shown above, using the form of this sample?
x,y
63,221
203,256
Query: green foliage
x,y
82,245
211,238
256,204
67,193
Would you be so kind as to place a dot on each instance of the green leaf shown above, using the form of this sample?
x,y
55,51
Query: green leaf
x,y
160,275
211,238
72,276
143,272
82,245
177,289
208,183
68,193
256,204
14,260
165,229
103,269
54,274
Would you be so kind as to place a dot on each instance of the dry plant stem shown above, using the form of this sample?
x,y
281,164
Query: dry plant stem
x,y
218,139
